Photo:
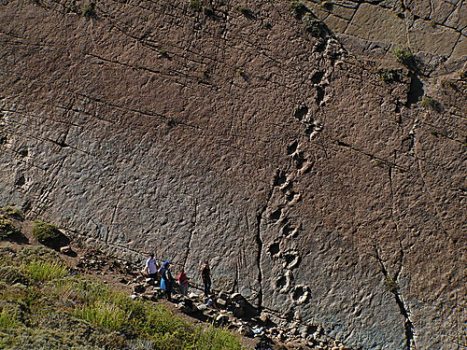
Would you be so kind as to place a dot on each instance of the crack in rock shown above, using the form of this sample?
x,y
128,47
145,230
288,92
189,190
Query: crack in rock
x,y
393,287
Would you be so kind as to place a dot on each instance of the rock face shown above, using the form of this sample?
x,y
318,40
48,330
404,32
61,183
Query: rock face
x,y
256,137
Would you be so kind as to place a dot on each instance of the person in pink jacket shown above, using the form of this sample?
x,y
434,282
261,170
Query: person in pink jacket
x,y
182,280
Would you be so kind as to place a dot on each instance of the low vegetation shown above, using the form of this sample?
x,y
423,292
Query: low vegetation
x,y
404,56
7,229
44,232
429,102
43,271
89,10
246,12
391,285
299,9
313,25
390,76
12,212
195,5
43,305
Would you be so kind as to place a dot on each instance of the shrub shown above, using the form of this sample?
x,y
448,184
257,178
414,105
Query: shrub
x,y
391,285
430,103
163,53
44,232
7,229
13,212
209,12
313,25
196,5
299,8
246,12
404,56
41,271
89,10
390,75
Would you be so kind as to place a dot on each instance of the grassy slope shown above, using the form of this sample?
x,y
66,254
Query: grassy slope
x,y
44,306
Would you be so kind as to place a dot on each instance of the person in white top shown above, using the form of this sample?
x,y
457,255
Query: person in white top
x,y
151,267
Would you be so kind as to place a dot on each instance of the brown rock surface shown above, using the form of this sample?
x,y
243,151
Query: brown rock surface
x,y
314,188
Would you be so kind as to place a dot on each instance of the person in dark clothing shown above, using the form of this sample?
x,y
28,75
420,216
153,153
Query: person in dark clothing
x,y
206,277
166,279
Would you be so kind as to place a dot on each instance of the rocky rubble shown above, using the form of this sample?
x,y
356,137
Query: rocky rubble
x,y
222,309
95,260
234,312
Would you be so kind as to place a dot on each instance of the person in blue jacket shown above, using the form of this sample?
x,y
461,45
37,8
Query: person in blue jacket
x,y
166,279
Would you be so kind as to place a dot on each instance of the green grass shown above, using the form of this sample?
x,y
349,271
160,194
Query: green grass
x,y
104,315
9,317
217,339
53,309
42,271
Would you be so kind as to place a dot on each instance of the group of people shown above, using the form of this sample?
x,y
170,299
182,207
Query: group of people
x,y
163,274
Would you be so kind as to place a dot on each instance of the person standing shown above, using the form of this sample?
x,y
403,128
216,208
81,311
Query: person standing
x,y
166,279
183,282
206,277
151,267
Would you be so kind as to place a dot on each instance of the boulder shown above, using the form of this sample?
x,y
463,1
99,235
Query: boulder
x,y
193,296
264,317
209,313
237,298
221,302
66,250
139,288
245,331
221,319
201,307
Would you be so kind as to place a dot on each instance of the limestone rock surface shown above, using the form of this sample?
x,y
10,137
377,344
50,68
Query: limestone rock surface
x,y
262,140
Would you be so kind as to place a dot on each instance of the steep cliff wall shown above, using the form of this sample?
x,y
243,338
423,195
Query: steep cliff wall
x,y
246,134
